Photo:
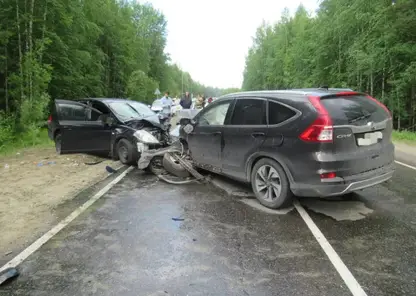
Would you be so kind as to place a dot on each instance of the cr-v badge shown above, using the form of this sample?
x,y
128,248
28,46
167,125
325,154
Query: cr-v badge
x,y
344,136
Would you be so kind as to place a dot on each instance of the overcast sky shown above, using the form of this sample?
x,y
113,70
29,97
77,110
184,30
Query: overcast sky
x,y
210,38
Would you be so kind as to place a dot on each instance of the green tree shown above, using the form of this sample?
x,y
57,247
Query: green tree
x,y
365,45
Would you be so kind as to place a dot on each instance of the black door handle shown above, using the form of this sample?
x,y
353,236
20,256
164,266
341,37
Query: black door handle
x,y
256,135
216,133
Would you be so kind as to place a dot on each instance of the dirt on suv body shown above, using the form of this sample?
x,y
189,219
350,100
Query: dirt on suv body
x,y
307,142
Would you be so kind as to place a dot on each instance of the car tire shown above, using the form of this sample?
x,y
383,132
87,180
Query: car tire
x,y
270,184
58,143
174,167
126,152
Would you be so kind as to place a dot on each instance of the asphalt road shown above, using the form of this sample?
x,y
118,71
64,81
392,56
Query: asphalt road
x,y
128,244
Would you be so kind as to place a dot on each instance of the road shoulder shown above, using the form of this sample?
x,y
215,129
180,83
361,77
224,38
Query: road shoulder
x,y
35,183
405,153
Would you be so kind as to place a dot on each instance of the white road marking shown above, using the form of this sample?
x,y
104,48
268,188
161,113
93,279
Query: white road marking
x,y
406,165
342,269
48,235
255,204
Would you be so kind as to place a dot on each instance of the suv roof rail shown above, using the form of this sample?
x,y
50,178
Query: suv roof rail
x,y
320,89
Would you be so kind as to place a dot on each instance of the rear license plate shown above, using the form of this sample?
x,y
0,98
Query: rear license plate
x,y
370,139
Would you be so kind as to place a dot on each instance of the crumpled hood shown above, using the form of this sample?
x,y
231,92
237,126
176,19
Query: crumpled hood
x,y
153,120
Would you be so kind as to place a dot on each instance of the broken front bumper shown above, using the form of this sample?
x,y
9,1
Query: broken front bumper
x,y
147,155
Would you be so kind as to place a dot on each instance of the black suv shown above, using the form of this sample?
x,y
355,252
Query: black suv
x,y
307,142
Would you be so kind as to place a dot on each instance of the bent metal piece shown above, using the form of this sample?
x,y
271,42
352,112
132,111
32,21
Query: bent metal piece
x,y
188,166
175,182
148,155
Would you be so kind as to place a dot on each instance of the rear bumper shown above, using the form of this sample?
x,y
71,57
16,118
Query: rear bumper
x,y
350,184
50,133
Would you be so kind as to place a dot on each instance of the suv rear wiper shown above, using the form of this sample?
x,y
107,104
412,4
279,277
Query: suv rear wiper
x,y
360,118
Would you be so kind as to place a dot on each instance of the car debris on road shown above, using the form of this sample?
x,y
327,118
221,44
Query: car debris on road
x,y
171,164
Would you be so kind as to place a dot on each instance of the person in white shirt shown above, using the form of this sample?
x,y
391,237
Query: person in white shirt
x,y
167,104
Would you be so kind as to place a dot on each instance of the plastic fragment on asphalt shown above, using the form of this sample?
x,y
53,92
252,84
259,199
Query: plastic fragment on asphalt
x,y
178,219
47,163
110,169
8,274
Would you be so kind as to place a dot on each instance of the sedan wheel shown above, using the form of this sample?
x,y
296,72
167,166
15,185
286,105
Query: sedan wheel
x,y
126,152
123,153
270,184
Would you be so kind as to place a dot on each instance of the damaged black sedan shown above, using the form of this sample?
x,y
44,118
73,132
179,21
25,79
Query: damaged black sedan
x,y
117,127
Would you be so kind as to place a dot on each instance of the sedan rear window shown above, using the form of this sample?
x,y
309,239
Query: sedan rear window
x,y
353,110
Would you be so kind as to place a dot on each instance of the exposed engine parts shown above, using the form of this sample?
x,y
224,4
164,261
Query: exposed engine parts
x,y
171,164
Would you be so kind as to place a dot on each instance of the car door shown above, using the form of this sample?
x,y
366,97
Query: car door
x,y
206,140
81,128
244,135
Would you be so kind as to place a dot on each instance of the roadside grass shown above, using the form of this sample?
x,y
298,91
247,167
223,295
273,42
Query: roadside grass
x,y
404,136
31,138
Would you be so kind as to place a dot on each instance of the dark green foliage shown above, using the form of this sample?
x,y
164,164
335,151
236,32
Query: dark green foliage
x,y
65,49
366,45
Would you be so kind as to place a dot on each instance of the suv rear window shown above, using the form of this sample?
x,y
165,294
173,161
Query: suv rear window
x,y
353,110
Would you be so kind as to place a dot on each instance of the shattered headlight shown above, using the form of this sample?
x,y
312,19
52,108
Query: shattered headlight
x,y
145,137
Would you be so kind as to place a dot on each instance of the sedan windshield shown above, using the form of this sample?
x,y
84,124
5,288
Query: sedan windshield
x,y
130,110
142,109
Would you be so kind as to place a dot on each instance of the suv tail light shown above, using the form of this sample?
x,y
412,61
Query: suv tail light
x,y
49,119
321,130
381,105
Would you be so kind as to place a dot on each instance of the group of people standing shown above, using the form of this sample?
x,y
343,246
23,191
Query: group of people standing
x,y
185,102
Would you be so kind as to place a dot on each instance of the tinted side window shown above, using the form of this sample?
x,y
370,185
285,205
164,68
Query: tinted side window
x,y
93,115
100,107
249,112
279,113
72,112
214,116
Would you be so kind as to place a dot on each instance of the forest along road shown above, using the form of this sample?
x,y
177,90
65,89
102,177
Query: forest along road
x,y
127,243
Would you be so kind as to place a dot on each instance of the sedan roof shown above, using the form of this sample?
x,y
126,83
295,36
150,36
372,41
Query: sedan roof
x,y
110,100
